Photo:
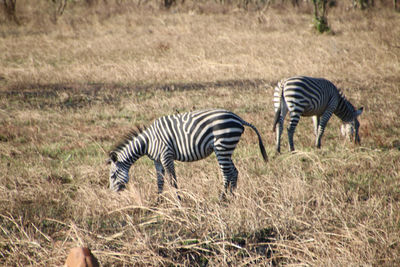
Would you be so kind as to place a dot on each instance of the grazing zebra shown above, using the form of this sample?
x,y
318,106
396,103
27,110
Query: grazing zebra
x,y
316,97
185,137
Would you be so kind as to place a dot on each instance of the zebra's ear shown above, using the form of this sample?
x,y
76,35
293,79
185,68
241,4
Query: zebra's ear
x,y
113,157
359,111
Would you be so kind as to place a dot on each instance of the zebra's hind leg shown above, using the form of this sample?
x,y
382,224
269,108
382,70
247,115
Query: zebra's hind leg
x,y
279,129
234,177
229,172
294,120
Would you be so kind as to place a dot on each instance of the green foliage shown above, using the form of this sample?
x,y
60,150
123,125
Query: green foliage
x,y
320,19
321,24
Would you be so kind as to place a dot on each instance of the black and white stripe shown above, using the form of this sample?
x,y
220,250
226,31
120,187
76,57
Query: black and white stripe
x,y
316,97
184,137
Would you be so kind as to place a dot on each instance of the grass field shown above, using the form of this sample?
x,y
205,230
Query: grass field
x,y
71,88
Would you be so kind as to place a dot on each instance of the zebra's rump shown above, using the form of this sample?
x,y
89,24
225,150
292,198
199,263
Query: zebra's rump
x,y
193,135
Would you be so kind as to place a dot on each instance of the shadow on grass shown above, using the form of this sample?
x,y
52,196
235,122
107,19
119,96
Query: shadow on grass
x,y
253,248
82,95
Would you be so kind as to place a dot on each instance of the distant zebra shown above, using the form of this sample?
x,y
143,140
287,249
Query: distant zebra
x,y
316,97
184,137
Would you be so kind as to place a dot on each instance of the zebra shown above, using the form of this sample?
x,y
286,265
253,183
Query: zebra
x,y
184,137
316,97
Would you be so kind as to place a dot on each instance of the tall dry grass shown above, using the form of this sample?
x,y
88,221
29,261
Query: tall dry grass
x,y
147,46
71,89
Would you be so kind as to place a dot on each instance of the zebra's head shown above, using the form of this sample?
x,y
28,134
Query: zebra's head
x,y
350,129
119,173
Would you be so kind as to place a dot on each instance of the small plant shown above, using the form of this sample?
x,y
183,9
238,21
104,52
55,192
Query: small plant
x,y
321,24
59,9
363,4
10,9
168,3
320,19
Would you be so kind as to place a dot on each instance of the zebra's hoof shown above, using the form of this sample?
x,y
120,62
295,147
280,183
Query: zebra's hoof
x,y
223,197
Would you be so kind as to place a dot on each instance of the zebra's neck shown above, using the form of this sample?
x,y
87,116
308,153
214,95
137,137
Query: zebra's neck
x,y
345,110
133,150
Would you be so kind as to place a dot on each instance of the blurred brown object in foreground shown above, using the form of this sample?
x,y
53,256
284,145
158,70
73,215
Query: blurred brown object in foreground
x,y
81,257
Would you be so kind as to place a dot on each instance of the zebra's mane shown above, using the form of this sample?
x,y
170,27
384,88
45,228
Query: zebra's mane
x,y
345,110
341,93
343,96
132,134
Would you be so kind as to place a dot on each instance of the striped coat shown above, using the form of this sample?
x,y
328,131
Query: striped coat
x,y
184,137
316,97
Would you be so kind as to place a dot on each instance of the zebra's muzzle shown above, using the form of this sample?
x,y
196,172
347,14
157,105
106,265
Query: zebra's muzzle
x,y
120,187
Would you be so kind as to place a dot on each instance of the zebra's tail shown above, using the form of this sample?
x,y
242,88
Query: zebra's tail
x,y
278,98
260,143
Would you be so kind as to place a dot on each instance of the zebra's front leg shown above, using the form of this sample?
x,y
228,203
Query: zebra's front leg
x,y
168,164
294,120
316,124
322,124
160,176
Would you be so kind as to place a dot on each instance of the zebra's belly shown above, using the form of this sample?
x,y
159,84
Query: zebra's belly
x,y
194,153
312,111
305,107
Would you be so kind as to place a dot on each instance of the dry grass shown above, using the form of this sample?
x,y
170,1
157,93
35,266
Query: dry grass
x,y
70,90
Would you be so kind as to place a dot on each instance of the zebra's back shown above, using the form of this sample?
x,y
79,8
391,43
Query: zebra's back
x,y
306,95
